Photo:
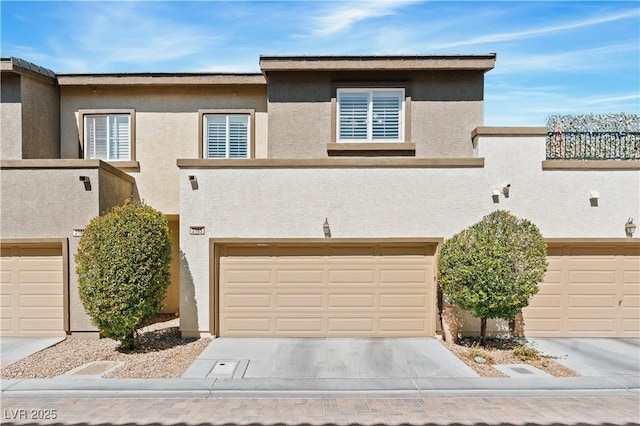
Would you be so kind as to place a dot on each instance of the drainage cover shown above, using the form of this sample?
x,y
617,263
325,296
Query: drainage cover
x,y
223,368
95,368
521,370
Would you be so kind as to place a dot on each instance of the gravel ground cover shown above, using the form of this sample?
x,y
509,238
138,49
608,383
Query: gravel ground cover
x,y
160,352
501,351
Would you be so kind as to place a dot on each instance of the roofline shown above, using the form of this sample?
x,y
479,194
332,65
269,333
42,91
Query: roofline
x,y
483,62
22,67
158,79
374,57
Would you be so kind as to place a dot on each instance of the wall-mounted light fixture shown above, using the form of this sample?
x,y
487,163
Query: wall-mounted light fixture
x,y
87,182
78,232
326,228
630,227
196,230
193,181
495,195
505,190
593,198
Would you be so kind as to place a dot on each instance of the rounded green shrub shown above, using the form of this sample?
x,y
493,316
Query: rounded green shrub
x,y
493,267
123,269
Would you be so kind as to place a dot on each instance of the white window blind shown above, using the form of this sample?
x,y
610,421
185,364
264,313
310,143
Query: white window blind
x,y
226,136
108,137
374,115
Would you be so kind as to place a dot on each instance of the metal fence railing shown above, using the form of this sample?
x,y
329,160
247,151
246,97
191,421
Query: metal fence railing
x,y
593,145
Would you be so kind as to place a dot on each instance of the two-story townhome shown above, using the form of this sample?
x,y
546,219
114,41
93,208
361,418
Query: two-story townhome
x,y
308,200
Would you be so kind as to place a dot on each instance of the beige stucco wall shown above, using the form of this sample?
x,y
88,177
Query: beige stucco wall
x,y
166,121
10,117
280,202
445,108
40,119
26,193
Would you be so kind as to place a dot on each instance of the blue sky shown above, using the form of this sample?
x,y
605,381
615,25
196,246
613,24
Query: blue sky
x,y
565,57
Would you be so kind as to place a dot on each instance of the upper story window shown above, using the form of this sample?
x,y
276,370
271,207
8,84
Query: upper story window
x,y
107,137
370,115
226,136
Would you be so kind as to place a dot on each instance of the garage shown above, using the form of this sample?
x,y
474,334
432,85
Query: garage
x,y
590,290
32,290
322,290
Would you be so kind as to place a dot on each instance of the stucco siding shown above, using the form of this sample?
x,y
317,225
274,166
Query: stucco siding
x,y
299,129
394,202
444,108
39,203
166,122
40,119
441,129
10,117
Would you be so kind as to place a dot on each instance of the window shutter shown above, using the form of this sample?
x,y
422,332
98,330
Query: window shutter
x,y
353,114
119,137
386,115
215,136
238,136
96,146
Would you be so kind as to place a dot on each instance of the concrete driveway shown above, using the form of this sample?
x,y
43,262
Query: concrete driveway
x,y
594,356
335,358
13,349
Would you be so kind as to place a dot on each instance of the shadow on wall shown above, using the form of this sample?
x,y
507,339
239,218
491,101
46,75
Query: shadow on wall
x,y
188,304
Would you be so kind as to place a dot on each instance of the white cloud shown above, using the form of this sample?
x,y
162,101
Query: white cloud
x,y
109,36
341,18
607,57
530,33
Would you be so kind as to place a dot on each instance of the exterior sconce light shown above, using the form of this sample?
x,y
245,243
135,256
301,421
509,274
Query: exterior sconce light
x,y
196,230
505,190
630,227
593,198
87,182
326,228
495,194
193,181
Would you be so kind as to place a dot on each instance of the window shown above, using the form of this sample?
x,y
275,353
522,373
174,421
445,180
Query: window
x,y
370,115
226,136
107,137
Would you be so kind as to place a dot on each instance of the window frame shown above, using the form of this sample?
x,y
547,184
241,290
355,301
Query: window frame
x,y
371,90
85,113
202,114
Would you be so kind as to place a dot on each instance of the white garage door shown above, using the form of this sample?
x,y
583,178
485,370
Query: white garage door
x,y
589,291
326,290
31,291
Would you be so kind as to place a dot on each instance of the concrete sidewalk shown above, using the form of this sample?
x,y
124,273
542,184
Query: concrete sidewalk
x,y
212,388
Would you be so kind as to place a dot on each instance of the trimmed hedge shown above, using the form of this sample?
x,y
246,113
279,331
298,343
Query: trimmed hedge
x,y
493,267
123,269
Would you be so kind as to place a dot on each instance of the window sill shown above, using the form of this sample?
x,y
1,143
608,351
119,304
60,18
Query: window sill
x,y
127,166
372,148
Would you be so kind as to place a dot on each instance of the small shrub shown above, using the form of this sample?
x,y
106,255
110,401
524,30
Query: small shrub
x,y
493,267
476,350
526,353
123,269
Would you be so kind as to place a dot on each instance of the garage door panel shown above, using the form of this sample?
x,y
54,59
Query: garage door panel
x,y
404,325
299,276
243,300
343,290
32,290
404,276
630,276
596,293
594,276
300,301
351,300
341,277
592,301
395,300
